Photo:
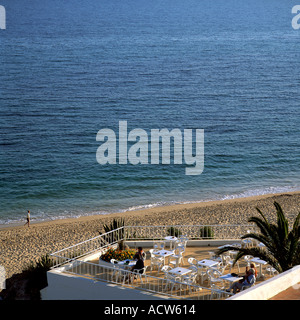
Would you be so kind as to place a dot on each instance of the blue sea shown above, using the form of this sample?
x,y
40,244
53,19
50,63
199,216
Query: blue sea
x,y
72,68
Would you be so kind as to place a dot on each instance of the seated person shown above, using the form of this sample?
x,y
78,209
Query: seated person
x,y
252,265
140,254
139,264
248,281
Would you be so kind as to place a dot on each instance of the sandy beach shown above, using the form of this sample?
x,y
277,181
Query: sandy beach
x,y
20,245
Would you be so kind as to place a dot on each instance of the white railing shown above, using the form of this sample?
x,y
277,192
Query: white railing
x,y
99,243
111,238
144,282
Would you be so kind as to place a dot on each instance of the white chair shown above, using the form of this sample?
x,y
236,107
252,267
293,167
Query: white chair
x,y
229,262
172,282
152,255
113,261
137,274
247,259
116,271
221,267
191,274
178,258
156,262
156,245
214,277
193,261
190,282
159,245
271,271
165,270
217,291
213,256
202,274
182,242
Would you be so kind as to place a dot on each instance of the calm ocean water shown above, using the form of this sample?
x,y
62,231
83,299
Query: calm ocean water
x,y
71,68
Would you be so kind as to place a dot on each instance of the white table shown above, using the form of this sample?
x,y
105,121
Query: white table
x,y
163,253
261,263
229,278
124,264
179,271
207,263
171,239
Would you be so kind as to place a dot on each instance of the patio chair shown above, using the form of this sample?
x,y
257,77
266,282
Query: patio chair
x,y
184,237
159,245
194,269
151,253
190,282
156,262
218,291
172,282
214,277
221,267
156,245
193,261
116,271
178,258
165,270
202,274
213,256
182,242
247,260
137,274
271,271
229,262
121,275
113,261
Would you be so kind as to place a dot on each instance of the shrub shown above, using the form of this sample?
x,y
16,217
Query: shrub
x,y
173,232
118,254
115,224
37,274
206,232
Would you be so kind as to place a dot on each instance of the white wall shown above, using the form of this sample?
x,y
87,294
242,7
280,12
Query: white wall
x,y
271,287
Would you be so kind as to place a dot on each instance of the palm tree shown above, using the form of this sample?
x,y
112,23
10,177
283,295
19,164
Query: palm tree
x,y
282,247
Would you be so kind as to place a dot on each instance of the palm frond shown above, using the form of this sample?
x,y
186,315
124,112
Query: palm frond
x,y
282,247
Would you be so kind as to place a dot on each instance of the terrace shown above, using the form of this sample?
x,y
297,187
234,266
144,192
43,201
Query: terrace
x,y
79,266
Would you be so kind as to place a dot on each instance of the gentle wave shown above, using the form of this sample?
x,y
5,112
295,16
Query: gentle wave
x,y
42,217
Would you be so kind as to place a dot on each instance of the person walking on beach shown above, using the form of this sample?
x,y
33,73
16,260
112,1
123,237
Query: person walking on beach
x,y
28,218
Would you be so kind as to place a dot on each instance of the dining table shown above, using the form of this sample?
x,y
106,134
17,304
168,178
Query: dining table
x,y
229,278
179,271
125,264
207,263
171,240
164,254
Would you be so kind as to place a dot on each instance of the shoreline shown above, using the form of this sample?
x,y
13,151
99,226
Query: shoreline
x,y
21,245
160,208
